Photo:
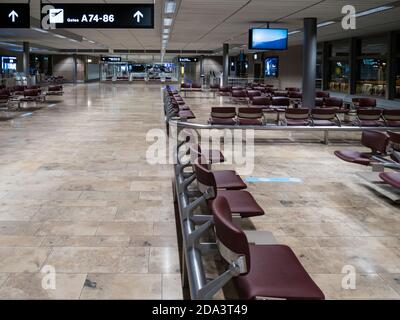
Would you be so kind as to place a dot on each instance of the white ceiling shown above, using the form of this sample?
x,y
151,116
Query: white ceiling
x,y
206,24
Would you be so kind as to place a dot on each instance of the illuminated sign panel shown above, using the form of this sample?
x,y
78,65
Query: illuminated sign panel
x,y
188,59
110,59
103,16
14,15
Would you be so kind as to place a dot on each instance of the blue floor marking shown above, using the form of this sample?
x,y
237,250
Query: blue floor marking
x,y
261,179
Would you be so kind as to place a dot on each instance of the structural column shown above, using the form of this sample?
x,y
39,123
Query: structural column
x,y
74,68
354,51
309,61
225,70
326,66
25,58
391,66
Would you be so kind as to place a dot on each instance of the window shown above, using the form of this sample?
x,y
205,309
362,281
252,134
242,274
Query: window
x,y
372,78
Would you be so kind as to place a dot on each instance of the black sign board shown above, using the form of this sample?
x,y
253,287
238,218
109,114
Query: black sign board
x,y
110,59
14,15
105,16
188,59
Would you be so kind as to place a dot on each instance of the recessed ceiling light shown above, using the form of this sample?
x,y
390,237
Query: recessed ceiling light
x,y
40,30
324,24
166,30
59,36
374,10
170,7
167,21
91,41
294,32
73,40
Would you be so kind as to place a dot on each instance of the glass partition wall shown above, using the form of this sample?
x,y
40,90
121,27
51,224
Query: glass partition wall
x,y
339,66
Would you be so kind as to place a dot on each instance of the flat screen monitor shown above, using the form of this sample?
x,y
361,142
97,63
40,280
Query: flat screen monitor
x,y
268,39
271,67
9,63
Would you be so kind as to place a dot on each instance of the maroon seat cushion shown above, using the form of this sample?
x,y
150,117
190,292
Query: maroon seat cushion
x,y
228,179
354,156
223,121
249,122
297,122
241,202
324,123
186,114
393,178
393,123
370,123
276,273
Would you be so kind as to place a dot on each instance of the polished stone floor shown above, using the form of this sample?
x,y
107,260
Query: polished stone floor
x,y
77,194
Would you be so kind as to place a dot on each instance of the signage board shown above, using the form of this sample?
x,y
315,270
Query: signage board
x,y
99,15
110,59
188,59
14,15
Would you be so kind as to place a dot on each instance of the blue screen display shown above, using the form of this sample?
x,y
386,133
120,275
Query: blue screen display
x,y
271,67
268,39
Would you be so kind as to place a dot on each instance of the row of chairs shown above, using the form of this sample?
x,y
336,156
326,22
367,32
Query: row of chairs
x,y
175,106
384,149
191,87
28,94
303,116
268,271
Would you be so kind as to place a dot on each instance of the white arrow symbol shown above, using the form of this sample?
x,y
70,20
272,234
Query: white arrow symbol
x,y
13,15
138,15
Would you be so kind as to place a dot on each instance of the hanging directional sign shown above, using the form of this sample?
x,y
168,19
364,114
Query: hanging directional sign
x,y
95,15
14,15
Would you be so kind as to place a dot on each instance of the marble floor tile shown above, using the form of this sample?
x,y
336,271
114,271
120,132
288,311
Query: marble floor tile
x,y
171,287
22,259
122,286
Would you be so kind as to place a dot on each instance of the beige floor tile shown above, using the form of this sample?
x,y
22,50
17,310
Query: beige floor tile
x,y
23,259
29,286
164,260
171,287
122,286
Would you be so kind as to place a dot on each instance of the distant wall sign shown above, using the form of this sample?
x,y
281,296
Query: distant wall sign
x,y
14,15
110,59
98,15
188,59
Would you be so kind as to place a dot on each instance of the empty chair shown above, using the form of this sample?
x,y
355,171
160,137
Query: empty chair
x,y
210,156
295,96
223,115
265,271
376,141
253,93
319,102
366,103
32,95
4,97
225,91
259,88
54,90
241,202
214,86
322,94
18,90
333,102
280,102
185,86
238,88
394,139
196,86
391,117
263,102
278,93
224,179
324,117
250,116
292,89
392,178
297,117
239,96
368,117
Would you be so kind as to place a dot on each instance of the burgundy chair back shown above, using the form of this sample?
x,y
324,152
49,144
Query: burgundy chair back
x,y
253,93
250,113
295,95
214,86
366,102
31,93
223,112
239,93
377,141
280,101
391,114
369,114
319,102
280,93
322,94
227,232
185,85
261,101
323,113
299,113
196,85
333,102
292,89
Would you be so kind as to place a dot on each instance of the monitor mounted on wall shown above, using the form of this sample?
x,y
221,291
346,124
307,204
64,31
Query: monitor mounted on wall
x,y
271,67
268,39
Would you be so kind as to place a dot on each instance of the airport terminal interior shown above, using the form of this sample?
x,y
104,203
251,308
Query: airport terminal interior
x,y
200,149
